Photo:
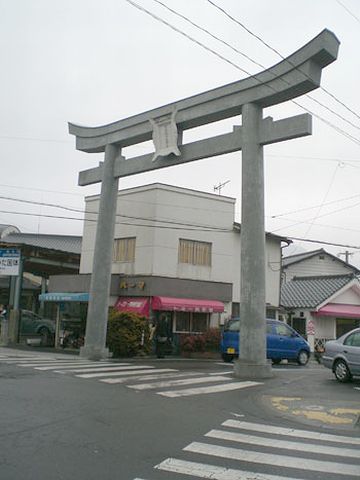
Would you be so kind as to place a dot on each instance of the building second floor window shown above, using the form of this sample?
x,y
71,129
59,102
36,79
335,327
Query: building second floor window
x,y
194,252
124,249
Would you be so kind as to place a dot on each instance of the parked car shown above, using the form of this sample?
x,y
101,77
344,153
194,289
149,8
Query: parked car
x,y
33,324
282,342
343,355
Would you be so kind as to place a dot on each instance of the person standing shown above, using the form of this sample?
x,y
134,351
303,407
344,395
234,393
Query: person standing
x,y
161,336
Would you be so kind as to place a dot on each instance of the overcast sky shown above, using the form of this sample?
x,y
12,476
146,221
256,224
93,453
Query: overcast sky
x,y
93,62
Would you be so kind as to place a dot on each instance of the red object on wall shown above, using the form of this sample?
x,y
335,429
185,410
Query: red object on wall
x,y
139,305
187,305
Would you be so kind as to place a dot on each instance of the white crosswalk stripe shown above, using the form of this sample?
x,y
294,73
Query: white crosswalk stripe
x,y
89,367
123,375
174,383
286,445
311,435
57,365
290,458
224,387
164,381
159,375
283,461
203,470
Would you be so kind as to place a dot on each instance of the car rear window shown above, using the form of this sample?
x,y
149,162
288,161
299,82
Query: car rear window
x,y
232,326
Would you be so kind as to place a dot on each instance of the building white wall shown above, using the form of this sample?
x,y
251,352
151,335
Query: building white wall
x,y
321,264
351,296
325,327
163,206
194,208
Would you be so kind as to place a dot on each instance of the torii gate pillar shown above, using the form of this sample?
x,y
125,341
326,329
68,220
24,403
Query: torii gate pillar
x,y
252,361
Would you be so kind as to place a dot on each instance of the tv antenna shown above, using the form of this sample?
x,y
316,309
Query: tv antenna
x,y
217,188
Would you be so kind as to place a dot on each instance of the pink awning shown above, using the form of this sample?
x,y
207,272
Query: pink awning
x,y
187,305
140,305
339,310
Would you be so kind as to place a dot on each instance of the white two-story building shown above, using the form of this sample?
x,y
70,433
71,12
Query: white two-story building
x,y
177,253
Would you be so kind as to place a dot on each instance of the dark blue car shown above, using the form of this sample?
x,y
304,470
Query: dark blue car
x,y
282,342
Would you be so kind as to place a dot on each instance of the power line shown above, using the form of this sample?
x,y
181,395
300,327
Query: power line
x,y
323,225
59,217
173,222
324,242
338,129
21,187
130,217
348,10
159,19
175,228
323,201
315,206
199,27
319,216
223,11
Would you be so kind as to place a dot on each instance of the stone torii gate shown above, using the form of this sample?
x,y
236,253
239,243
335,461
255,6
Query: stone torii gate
x,y
292,77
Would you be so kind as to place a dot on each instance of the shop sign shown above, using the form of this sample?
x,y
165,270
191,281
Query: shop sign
x,y
128,285
9,261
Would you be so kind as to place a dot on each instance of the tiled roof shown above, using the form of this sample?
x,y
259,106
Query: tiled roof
x,y
309,292
63,243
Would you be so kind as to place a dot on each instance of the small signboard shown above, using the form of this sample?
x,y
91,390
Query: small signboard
x,y
310,328
9,261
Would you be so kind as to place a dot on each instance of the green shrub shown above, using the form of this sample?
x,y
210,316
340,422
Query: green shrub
x,y
212,339
127,334
208,341
192,343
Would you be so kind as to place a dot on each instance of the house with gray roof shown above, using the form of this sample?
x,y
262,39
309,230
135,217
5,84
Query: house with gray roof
x,y
321,295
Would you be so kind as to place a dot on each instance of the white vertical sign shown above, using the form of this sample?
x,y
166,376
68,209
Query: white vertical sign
x,y
165,136
9,261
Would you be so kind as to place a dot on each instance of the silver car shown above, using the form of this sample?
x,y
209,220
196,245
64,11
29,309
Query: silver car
x,y
343,355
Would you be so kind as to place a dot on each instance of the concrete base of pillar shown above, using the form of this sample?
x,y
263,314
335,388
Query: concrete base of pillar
x,y
94,353
248,370
4,336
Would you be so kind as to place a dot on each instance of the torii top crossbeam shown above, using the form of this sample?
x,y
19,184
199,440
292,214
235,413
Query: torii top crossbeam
x,y
296,75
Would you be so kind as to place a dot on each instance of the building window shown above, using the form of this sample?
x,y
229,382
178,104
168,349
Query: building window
x,y
182,322
124,249
235,309
194,322
271,313
194,252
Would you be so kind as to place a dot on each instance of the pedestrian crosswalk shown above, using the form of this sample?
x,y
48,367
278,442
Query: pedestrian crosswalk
x,y
242,450
166,382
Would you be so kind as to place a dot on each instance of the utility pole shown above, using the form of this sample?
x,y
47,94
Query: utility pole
x,y
346,254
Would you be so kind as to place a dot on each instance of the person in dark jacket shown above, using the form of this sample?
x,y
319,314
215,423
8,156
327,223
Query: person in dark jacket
x,y
161,336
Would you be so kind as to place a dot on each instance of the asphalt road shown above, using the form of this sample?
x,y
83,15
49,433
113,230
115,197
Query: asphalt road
x,y
57,423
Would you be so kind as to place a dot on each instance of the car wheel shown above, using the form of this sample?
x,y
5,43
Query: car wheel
x,y
341,371
227,357
45,336
303,357
276,361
